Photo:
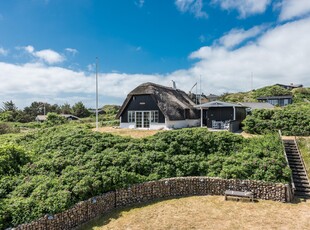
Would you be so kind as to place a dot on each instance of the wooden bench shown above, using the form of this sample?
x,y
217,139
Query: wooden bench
x,y
239,194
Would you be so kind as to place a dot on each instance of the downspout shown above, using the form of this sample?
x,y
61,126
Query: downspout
x,y
201,117
234,112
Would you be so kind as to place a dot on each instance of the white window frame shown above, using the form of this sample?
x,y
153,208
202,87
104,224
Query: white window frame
x,y
131,116
153,116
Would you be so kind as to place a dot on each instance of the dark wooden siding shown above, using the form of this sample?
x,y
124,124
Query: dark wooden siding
x,y
142,103
240,114
219,114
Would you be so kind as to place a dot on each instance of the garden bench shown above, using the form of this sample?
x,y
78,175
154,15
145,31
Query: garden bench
x,y
239,194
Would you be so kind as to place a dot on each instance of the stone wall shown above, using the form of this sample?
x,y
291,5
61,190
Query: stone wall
x,y
165,188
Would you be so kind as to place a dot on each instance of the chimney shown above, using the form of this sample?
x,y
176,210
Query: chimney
x,y
174,85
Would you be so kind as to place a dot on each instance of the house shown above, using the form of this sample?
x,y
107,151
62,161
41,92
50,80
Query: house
x,y
256,105
222,115
277,100
197,98
69,117
153,106
211,97
291,86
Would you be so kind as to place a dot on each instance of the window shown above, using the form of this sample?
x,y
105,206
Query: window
x,y
286,102
131,116
154,116
139,123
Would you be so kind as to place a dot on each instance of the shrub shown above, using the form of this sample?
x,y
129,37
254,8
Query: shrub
x,y
291,120
71,163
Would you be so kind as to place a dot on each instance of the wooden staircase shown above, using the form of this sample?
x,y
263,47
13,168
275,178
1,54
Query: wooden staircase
x,y
299,174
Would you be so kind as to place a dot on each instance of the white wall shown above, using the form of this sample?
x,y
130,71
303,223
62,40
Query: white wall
x,y
167,125
182,123
127,125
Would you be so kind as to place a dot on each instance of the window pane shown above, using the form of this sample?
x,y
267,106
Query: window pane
x,y
156,116
131,116
139,119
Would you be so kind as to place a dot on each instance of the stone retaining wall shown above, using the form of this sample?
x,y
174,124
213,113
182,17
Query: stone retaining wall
x,y
165,188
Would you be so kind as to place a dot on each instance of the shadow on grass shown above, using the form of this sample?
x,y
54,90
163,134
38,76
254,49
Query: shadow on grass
x,y
298,200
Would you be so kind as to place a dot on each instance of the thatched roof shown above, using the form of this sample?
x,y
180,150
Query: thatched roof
x,y
173,103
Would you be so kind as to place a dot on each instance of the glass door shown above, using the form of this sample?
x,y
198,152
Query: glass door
x,y
138,119
146,119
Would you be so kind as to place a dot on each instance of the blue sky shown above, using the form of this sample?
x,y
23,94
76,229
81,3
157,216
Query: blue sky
x,y
48,47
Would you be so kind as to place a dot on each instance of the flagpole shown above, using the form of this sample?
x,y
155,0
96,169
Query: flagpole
x,y
97,125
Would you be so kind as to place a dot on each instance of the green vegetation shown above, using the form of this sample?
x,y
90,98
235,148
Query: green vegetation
x,y
299,94
109,116
10,113
291,120
304,147
54,168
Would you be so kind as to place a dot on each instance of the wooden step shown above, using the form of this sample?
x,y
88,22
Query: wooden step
x,y
302,194
302,190
299,166
301,185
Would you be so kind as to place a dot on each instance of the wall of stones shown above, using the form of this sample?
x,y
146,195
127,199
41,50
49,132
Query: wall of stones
x,y
165,188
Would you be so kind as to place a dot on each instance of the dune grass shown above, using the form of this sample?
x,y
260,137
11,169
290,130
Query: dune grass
x,y
135,133
304,147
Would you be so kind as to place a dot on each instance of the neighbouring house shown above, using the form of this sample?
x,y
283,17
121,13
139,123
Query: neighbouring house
x,y
69,117
290,86
222,115
257,105
197,98
277,100
211,97
153,106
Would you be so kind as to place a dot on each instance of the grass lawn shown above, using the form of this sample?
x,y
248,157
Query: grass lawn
x,y
304,147
135,133
207,212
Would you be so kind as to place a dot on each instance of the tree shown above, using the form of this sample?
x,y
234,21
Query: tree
x,y
80,110
9,106
55,119
66,109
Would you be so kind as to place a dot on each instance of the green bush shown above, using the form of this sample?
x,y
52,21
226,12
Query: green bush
x,y
71,163
8,128
55,119
291,120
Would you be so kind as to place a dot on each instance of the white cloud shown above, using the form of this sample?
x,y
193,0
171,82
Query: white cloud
x,y
29,49
278,55
91,67
49,56
192,6
237,36
294,8
71,50
244,7
3,51
139,3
